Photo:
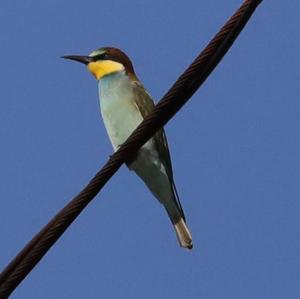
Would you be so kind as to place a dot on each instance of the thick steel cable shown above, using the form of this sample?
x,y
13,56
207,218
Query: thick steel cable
x,y
173,100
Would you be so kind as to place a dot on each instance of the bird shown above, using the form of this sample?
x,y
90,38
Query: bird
x,y
124,103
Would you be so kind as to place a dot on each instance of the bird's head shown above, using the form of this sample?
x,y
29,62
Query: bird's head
x,y
105,61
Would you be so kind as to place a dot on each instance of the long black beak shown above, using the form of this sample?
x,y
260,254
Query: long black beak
x,y
82,59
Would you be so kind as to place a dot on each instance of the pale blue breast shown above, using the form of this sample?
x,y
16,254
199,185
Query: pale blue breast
x,y
118,109
121,116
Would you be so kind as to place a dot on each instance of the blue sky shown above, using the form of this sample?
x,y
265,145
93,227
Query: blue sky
x,y
235,148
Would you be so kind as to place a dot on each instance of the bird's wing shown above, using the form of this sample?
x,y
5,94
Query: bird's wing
x,y
145,105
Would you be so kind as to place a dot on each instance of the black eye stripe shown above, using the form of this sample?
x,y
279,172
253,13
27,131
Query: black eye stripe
x,y
102,56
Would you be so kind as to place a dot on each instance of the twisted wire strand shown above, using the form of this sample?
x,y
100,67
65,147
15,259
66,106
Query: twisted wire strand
x,y
172,101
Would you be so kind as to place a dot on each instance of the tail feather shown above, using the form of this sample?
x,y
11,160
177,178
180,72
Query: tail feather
x,y
183,234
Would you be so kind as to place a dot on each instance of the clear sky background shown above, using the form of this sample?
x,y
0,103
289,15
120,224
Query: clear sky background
x,y
235,148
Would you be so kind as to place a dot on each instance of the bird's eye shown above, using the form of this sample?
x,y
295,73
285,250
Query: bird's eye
x,y
105,56
102,56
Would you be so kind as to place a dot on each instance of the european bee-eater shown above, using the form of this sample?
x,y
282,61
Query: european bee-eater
x,y
124,103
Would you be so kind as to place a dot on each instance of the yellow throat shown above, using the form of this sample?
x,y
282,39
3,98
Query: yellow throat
x,y
102,68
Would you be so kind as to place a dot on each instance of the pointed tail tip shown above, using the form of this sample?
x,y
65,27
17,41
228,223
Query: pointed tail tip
x,y
186,245
183,234
190,246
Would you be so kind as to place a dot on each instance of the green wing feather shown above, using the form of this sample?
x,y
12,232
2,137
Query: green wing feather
x,y
145,105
